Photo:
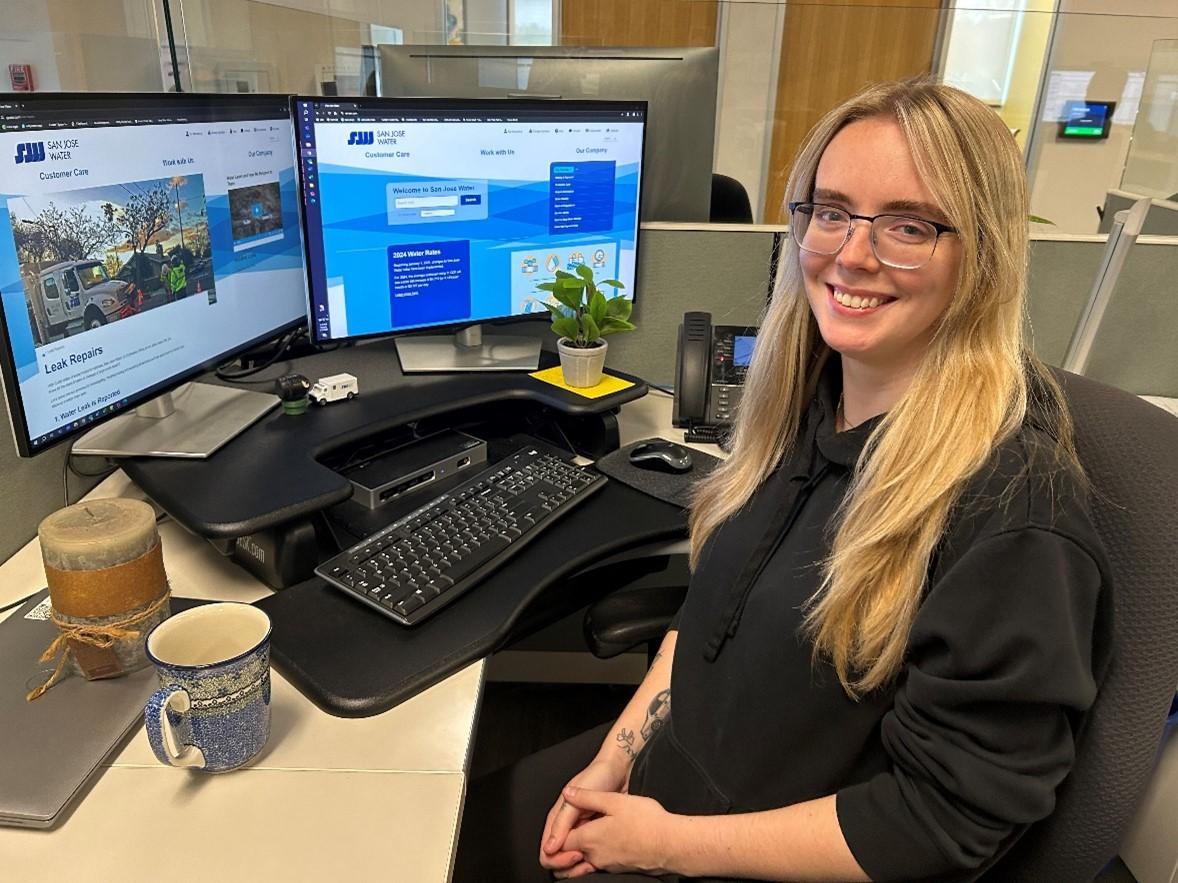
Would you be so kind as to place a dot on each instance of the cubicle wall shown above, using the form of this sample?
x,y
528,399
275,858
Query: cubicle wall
x,y
1136,347
1060,280
725,270
29,491
722,269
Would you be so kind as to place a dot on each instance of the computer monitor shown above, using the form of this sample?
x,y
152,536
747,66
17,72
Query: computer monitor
x,y
447,213
144,239
678,84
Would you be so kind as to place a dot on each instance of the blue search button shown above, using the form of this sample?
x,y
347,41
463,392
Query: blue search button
x,y
472,198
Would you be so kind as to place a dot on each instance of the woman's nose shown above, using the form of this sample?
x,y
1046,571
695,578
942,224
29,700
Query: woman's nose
x,y
857,251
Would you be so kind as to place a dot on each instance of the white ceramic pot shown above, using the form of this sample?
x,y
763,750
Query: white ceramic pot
x,y
581,366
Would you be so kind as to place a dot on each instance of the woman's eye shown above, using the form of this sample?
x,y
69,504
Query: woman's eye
x,y
830,216
908,230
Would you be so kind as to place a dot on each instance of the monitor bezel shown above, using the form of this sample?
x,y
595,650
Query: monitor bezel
x,y
14,400
454,103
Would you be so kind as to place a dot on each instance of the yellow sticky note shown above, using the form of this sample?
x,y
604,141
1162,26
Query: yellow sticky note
x,y
609,384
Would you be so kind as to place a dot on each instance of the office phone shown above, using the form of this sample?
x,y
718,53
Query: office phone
x,y
711,363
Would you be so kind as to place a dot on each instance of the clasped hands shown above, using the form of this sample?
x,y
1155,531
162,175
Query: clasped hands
x,y
596,825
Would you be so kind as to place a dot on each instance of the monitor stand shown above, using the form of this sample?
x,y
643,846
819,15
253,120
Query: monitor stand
x,y
468,350
192,421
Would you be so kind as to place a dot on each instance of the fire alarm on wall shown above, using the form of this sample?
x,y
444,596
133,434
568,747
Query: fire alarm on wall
x,y
21,77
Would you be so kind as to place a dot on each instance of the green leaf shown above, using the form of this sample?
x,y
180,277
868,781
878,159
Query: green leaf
x,y
558,311
614,282
561,274
547,286
597,307
619,307
612,326
571,282
584,272
1038,220
566,327
591,330
571,299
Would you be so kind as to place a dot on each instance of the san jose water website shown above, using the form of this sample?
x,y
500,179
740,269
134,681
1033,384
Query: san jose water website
x,y
139,243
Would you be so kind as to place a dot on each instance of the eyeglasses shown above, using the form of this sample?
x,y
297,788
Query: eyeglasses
x,y
897,240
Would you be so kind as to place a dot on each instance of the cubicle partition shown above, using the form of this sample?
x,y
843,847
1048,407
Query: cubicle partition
x,y
719,268
725,269
1136,347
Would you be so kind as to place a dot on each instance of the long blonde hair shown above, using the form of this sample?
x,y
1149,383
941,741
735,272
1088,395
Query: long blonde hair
x,y
969,394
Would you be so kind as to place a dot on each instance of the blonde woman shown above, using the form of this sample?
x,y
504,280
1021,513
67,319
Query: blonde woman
x,y
888,646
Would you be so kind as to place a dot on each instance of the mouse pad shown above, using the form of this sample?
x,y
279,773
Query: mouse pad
x,y
669,487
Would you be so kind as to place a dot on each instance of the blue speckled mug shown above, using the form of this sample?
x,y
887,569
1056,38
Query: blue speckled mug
x,y
212,711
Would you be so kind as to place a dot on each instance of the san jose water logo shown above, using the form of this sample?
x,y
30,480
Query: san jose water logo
x,y
34,151
360,138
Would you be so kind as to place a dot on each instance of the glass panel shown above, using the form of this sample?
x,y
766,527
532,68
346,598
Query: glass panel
x,y
81,46
982,44
1095,57
531,23
1152,166
781,65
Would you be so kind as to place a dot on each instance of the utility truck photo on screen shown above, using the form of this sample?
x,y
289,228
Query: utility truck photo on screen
x,y
97,255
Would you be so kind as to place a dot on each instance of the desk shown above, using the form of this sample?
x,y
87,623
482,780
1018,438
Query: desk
x,y
376,797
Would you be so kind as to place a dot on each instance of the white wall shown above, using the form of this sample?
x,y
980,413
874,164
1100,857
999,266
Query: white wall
x,y
26,40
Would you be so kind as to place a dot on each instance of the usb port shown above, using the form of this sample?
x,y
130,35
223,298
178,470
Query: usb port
x,y
463,462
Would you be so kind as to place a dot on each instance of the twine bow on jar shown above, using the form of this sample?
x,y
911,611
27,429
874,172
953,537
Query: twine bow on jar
x,y
102,637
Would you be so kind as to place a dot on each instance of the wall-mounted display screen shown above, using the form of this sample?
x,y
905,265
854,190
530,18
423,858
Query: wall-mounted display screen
x,y
1086,120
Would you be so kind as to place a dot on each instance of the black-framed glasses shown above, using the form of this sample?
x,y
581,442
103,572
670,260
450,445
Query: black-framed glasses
x,y
899,241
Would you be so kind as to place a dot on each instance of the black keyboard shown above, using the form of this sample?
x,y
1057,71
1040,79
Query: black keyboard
x,y
419,564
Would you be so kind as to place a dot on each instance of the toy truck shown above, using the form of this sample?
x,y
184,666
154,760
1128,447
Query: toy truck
x,y
334,388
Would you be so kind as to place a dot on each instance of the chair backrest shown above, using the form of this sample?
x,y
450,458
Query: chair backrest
x,y
730,201
1129,449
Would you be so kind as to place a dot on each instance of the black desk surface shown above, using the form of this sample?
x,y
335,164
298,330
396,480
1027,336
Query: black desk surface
x,y
353,662
271,473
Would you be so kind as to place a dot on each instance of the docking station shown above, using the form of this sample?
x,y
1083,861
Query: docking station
x,y
392,474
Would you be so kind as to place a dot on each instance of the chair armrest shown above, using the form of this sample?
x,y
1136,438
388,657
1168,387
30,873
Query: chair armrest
x,y
630,617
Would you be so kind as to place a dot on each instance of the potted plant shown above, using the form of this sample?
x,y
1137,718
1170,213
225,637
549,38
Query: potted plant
x,y
581,317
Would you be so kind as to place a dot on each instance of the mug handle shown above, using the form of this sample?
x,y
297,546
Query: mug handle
x,y
171,747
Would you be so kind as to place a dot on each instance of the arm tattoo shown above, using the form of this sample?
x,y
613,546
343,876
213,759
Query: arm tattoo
x,y
656,714
625,739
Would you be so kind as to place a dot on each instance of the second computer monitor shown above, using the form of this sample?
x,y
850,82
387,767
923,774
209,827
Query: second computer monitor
x,y
447,213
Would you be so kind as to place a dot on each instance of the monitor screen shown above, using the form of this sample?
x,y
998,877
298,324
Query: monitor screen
x,y
432,213
1086,120
145,238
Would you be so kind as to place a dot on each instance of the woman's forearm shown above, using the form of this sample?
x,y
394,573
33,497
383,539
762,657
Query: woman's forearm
x,y
646,711
802,842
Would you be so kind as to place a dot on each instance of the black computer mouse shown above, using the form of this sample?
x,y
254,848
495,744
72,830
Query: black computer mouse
x,y
661,455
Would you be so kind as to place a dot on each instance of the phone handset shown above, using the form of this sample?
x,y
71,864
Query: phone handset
x,y
693,366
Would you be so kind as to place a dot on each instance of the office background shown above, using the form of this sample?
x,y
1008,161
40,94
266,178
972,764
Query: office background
x,y
781,65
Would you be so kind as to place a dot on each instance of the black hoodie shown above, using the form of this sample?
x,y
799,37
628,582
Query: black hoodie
x,y
938,773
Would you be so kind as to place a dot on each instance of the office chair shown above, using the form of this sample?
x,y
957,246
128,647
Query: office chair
x,y
730,201
1129,449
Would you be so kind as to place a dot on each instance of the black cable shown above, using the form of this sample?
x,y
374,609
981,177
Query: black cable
x,y
68,467
12,604
283,346
665,390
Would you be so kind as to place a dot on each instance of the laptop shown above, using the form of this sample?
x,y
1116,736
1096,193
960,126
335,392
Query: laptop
x,y
50,749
